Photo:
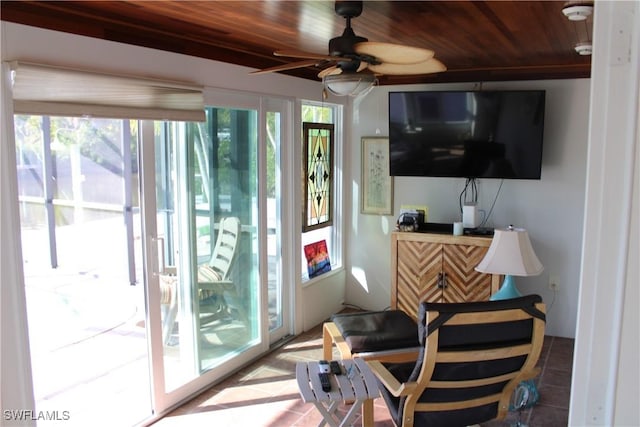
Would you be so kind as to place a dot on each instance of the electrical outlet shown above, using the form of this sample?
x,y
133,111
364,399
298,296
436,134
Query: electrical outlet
x,y
554,283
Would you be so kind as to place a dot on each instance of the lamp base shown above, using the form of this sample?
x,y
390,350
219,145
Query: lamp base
x,y
508,290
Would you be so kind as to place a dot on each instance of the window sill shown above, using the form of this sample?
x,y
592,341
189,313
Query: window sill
x,y
307,282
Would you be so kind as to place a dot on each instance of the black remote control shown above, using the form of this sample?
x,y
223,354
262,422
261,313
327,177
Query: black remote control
x,y
324,380
335,367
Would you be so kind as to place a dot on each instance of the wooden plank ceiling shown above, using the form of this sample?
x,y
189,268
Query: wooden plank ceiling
x,y
477,40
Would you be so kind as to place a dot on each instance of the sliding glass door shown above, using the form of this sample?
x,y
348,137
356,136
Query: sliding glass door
x,y
211,207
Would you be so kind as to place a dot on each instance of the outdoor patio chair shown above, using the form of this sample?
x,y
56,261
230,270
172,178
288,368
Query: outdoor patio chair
x,y
215,288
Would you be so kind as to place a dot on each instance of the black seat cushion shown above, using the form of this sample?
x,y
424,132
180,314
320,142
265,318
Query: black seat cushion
x,y
377,330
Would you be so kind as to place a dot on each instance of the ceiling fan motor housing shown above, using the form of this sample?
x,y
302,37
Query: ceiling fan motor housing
x,y
343,45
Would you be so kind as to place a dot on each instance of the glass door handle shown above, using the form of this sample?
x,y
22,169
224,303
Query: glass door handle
x,y
152,255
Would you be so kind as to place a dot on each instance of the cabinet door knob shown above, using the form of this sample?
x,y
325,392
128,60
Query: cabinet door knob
x,y
442,280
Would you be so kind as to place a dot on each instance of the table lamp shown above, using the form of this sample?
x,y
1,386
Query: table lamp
x,y
510,254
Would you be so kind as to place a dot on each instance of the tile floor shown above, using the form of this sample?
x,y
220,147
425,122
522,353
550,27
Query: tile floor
x,y
266,394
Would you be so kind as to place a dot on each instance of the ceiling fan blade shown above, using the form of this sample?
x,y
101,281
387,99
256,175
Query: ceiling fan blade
x,y
301,54
426,67
330,71
290,66
363,66
394,53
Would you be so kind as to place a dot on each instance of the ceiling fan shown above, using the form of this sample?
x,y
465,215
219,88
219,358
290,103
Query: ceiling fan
x,y
357,61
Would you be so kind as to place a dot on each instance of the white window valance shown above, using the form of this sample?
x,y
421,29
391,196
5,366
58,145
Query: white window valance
x,y
57,91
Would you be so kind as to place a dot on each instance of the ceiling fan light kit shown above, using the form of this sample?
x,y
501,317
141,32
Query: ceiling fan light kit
x,y
577,12
349,83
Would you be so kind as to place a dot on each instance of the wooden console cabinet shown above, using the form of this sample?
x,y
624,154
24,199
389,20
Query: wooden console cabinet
x,y
438,268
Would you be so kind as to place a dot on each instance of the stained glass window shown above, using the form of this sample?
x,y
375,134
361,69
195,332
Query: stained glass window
x,y
318,175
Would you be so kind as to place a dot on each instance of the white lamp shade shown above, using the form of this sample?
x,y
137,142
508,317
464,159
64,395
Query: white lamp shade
x,y
511,253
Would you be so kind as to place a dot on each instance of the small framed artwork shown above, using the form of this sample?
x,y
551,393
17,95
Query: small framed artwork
x,y
376,183
317,258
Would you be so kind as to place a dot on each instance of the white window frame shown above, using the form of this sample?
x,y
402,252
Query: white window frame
x,y
336,249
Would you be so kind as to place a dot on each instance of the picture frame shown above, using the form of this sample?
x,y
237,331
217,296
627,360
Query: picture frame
x,y
376,182
317,257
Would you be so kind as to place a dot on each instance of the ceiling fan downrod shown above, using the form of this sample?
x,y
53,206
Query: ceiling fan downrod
x,y
343,44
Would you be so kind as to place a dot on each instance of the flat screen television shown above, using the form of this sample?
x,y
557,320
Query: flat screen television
x,y
469,134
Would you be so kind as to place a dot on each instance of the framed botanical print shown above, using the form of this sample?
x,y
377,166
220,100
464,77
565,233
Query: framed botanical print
x,y
318,175
376,183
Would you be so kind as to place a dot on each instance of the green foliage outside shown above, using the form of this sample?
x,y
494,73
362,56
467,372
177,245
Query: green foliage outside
x,y
96,139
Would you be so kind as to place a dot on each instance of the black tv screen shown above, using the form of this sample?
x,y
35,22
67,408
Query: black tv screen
x,y
470,134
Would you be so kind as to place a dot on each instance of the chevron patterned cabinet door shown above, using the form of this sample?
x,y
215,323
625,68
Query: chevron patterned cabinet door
x,y
438,268
419,264
464,283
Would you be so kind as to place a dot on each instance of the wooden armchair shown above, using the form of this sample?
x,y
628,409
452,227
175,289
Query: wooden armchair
x,y
472,357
